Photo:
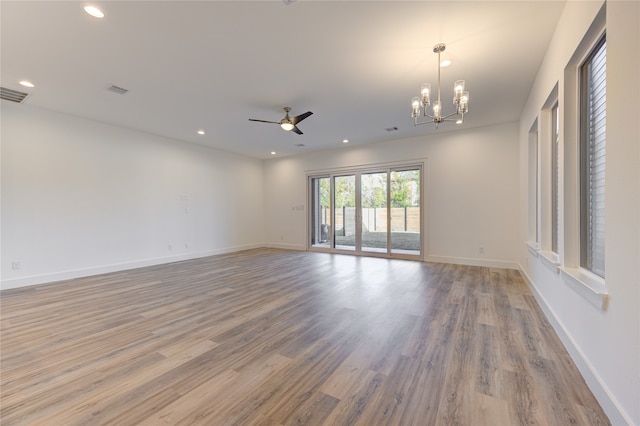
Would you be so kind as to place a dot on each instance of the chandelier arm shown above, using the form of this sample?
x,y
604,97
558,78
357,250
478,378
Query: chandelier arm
x,y
418,123
450,115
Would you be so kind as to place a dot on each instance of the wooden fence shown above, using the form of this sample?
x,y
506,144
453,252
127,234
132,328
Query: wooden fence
x,y
403,219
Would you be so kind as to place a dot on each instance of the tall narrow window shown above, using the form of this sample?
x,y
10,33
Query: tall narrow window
x,y
593,87
533,186
555,175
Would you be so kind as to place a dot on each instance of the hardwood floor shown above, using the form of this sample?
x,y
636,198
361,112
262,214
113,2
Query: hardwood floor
x,y
273,337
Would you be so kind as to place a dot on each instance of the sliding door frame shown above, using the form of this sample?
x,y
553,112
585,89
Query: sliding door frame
x,y
358,171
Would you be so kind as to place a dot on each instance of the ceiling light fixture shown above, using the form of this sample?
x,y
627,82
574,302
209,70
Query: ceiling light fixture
x,y
287,125
460,100
345,140
94,11
201,132
26,83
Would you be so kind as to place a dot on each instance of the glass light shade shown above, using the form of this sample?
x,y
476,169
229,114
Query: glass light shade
x,y
458,88
286,126
415,106
425,91
436,109
464,102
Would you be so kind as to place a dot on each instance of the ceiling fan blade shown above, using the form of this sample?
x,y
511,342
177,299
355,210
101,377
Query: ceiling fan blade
x,y
295,120
264,121
296,130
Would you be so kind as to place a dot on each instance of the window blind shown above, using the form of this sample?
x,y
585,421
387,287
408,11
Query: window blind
x,y
593,147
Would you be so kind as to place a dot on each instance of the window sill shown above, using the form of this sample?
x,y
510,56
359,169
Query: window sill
x,y
550,260
590,286
534,248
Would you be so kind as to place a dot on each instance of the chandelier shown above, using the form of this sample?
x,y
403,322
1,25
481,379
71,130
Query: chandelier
x,y
460,100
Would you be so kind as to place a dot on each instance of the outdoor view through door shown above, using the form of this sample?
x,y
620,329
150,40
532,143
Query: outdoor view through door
x,y
373,212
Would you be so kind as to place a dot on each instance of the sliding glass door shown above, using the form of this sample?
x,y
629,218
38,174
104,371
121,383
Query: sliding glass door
x,y
373,193
320,220
405,211
374,212
344,212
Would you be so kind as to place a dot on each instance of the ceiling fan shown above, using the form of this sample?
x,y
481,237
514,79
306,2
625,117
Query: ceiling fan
x,y
288,123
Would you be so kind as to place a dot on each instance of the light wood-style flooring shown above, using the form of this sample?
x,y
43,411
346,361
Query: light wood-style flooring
x,y
274,337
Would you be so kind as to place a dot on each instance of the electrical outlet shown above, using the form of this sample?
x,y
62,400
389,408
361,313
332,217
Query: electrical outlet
x,y
170,247
186,245
15,266
481,250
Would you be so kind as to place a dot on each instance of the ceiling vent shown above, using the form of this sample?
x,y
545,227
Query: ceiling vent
x,y
115,89
13,95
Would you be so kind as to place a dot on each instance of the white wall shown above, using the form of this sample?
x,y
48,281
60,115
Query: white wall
x,y
604,344
470,195
81,197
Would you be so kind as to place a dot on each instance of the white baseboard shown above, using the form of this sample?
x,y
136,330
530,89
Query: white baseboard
x,y
607,401
504,264
104,269
296,247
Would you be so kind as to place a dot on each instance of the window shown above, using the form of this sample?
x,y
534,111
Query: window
x,y
555,176
593,112
533,189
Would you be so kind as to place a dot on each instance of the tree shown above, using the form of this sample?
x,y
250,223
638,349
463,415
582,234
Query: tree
x,y
405,188
374,190
345,191
325,192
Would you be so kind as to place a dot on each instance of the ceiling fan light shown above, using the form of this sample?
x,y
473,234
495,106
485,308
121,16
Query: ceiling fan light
x,y
286,126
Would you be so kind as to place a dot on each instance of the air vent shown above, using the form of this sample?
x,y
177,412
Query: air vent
x,y
13,95
299,145
391,129
115,89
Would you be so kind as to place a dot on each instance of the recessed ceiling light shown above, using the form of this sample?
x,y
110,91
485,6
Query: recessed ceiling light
x,y
26,83
445,63
345,140
273,153
94,11
201,132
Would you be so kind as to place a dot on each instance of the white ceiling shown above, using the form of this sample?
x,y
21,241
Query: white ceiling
x,y
212,65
